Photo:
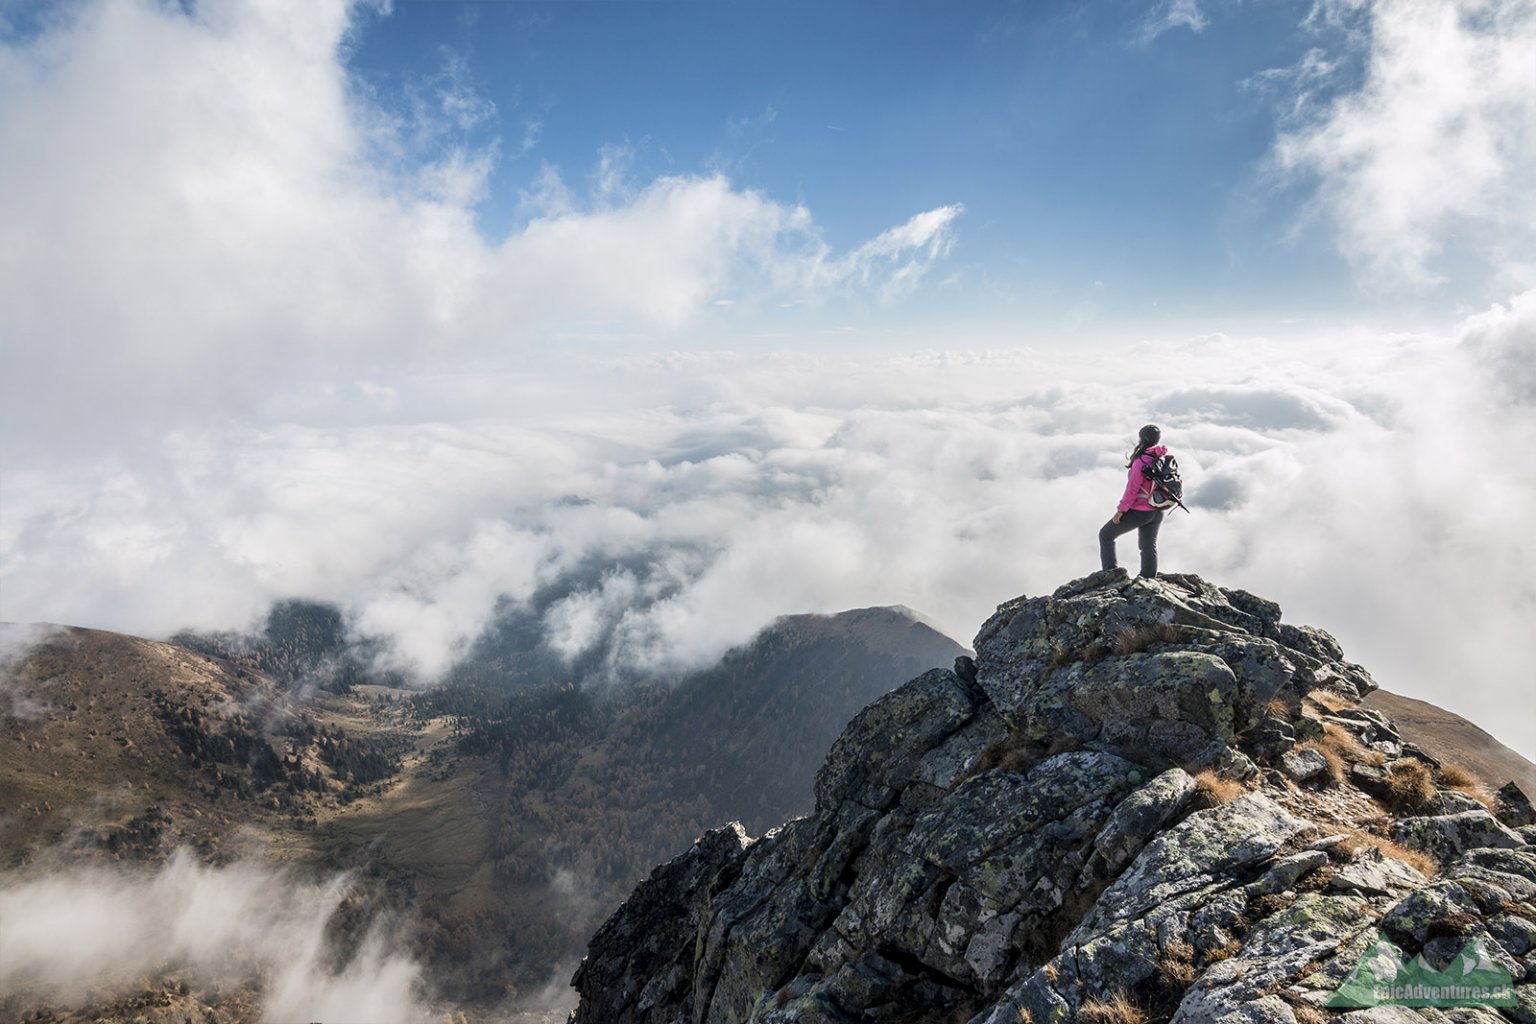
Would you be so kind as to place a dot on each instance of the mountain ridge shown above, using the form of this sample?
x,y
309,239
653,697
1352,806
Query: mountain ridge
x,y
1145,800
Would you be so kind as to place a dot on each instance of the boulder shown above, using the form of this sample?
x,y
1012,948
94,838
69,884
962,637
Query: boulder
x,y
1447,836
1375,874
1515,808
1175,669
883,744
1303,765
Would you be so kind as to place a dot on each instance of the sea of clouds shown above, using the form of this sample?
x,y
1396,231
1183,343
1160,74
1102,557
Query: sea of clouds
x,y
255,347
1378,488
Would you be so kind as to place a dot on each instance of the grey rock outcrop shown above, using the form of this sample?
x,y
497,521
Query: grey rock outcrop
x,y
1448,836
1515,807
1145,792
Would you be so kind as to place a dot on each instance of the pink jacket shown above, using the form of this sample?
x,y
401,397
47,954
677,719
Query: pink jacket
x,y
1138,489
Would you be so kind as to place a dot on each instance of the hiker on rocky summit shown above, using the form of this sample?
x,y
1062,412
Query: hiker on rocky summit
x,y
1136,510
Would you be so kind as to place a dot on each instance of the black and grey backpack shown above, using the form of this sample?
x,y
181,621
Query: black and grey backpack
x,y
1166,487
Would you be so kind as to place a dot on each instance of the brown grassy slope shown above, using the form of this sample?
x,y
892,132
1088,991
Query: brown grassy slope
x,y
1449,737
126,748
97,754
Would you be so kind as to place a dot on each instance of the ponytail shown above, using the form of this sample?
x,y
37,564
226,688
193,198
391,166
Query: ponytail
x,y
1148,436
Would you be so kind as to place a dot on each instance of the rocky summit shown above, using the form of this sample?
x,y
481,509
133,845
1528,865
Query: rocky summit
x,y
1143,800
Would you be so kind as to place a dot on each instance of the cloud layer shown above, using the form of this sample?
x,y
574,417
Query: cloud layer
x,y
673,506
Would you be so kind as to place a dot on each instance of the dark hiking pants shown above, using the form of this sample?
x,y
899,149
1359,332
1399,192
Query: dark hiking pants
x,y
1145,524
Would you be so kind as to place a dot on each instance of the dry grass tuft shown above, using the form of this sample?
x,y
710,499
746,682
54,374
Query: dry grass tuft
x,y
1306,1013
1263,906
1176,964
1131,640
1338,747
1117,1009
1060,655
1317,881
1216,789
1226,951
1009,754
1359,840
1134,639
1330,700
1455,777
1096,651
1411,787
1025,1017
1456,926
1510,907
1342,740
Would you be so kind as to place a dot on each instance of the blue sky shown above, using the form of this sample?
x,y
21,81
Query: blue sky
x,y
1109,177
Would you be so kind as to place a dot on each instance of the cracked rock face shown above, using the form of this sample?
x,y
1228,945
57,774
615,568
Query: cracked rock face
x,y
1149,790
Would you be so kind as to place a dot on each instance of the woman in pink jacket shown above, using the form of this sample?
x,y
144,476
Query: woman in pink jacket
x,y
1136,511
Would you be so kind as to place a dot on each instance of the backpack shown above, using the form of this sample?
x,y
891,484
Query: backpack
x,y
1167,487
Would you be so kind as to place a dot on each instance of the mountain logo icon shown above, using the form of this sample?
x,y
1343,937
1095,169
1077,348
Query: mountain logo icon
x,y
1384,978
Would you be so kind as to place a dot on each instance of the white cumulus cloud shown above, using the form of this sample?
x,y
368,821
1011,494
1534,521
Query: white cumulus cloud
x,y
198,212
1427,162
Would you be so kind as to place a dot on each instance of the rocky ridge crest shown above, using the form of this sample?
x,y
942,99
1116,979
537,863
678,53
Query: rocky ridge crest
x,y
1147,797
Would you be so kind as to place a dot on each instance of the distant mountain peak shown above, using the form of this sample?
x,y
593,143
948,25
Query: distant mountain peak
x,y
874,627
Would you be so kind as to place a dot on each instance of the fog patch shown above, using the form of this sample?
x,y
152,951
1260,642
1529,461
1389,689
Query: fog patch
x,y
81,932
551,1002
17,641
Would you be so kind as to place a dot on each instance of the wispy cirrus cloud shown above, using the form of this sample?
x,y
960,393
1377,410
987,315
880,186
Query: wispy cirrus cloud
x,y
1167,15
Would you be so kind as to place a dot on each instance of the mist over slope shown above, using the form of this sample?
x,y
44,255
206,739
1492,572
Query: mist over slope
x,y
154,804
257,826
